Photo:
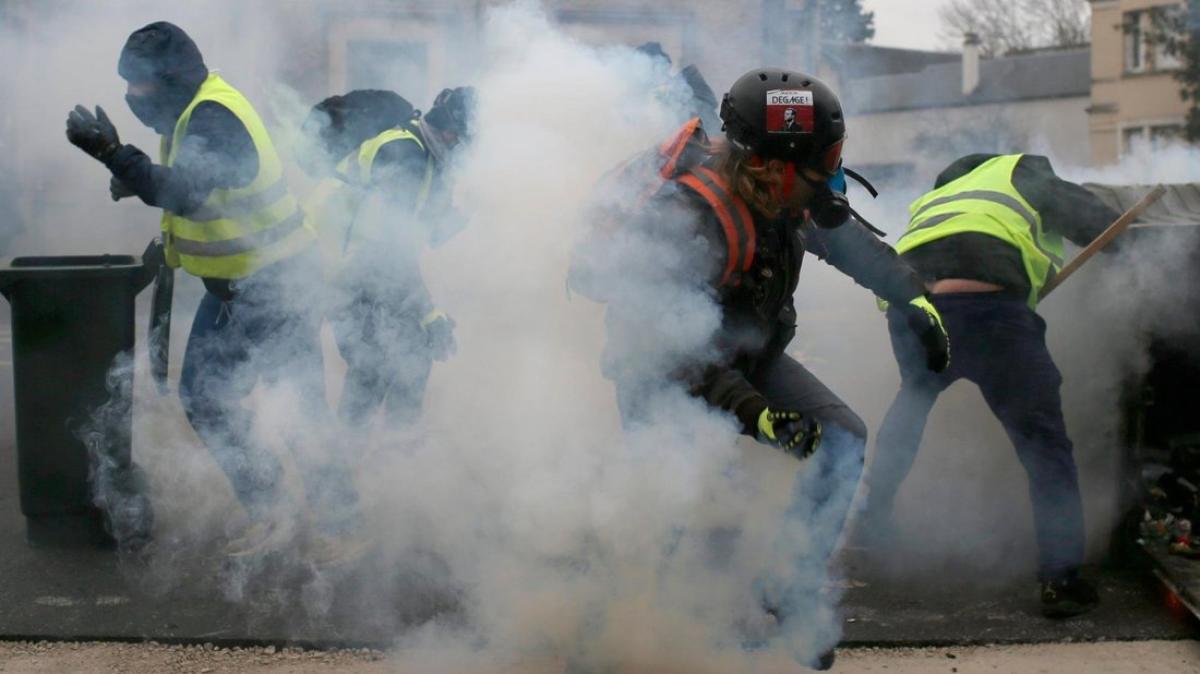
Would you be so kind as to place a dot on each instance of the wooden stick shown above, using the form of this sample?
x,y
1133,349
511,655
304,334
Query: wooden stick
x,y
1119,225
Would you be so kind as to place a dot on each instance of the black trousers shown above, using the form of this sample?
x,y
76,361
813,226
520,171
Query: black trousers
x,y
388,361
998,343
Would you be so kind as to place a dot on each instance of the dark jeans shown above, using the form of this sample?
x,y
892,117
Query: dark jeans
x,y
820,501
998,343
260,335
388,362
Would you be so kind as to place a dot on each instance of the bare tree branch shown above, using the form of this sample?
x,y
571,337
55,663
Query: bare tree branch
x,y
1005,26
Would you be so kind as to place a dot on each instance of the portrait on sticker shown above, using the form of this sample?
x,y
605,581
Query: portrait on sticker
x,y
789,111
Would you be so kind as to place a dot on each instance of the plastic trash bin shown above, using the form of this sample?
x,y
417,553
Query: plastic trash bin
x,y
72,316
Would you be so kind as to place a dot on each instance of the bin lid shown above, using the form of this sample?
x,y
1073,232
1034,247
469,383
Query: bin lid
x,y
55,268
47,267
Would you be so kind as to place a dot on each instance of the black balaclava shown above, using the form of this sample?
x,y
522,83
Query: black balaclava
x,y
162,55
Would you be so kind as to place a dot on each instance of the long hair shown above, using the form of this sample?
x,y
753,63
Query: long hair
x,y
758,183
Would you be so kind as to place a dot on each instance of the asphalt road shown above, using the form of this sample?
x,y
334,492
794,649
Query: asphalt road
x,y
80,594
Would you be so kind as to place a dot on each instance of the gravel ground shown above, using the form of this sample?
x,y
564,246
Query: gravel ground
x,y
1149,657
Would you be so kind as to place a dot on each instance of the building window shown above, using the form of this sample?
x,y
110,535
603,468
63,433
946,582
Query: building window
x,y
1131,138
1164,134
1152,137
1165,18
1145,46
1135,47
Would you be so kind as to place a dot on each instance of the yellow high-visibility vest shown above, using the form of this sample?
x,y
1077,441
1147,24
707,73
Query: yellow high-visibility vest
x,y
335,201
985,201
235,231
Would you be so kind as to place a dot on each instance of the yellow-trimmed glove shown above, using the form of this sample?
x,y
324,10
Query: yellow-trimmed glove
x,y
926,322
439,333
792,432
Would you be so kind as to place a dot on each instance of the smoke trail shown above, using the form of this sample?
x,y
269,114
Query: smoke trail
x,y
577,551
517,511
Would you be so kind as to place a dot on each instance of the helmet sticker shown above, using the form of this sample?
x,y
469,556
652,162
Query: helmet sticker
x,y
789,111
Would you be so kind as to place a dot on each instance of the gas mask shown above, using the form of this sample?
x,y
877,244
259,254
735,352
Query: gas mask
x,y
829,208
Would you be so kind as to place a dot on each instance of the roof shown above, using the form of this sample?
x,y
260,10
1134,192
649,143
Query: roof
x,y
864,60
1179,207
1063,73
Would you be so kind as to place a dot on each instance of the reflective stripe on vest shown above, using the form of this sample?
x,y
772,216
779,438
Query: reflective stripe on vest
x,y
242,206
985,201
356,169
354,172
243,244
235,231
736,220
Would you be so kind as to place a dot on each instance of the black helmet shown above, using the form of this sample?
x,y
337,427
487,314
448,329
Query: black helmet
x,y
448,121
783,114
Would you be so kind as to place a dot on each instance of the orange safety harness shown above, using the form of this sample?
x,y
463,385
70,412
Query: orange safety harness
x,y
737,222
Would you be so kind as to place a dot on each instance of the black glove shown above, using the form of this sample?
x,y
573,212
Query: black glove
x,y
439,333
792,432
926,322
94,134
118,190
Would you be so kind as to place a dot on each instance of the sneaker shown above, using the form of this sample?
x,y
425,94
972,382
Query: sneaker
x,y
259,538
1070,596
328,551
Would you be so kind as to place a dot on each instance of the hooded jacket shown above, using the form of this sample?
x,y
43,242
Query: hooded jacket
x,y
217,151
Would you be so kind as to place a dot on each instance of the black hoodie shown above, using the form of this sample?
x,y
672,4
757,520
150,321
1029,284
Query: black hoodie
x,y
217,151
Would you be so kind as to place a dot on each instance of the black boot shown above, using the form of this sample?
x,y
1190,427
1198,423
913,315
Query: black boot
x,y
1068,596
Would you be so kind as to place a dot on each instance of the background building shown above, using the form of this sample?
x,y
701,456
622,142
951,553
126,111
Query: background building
x,y
1134,94
929,107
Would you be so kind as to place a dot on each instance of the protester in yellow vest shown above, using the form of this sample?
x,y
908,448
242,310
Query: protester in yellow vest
x,y
230,219
381,200
986,240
